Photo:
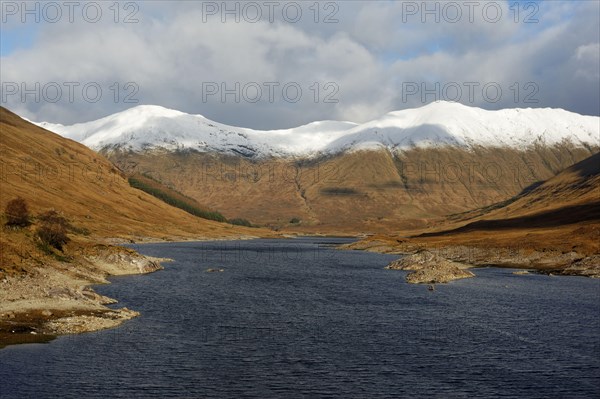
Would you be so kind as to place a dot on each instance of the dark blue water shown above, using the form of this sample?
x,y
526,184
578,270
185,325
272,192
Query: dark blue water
x,y
297,319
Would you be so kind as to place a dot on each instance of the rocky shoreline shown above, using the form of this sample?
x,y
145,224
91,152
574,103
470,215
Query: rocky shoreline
x,y
566,263
57,300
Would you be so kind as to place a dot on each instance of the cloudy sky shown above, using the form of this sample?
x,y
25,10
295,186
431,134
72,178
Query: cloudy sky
x,y
282,64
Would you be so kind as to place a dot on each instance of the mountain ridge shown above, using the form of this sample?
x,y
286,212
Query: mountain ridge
x,y
437,124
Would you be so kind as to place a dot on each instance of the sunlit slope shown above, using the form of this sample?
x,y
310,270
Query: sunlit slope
x,y
571,197
49,171
359,191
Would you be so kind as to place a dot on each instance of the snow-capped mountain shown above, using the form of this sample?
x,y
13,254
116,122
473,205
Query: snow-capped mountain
x,y
437,124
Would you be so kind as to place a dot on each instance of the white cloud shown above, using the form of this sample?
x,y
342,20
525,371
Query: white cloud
x,y
368,54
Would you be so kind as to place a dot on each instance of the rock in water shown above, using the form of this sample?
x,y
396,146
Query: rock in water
x,y
429,268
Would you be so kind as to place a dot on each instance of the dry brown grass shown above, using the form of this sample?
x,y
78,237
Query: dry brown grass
x,y
51,172
562,214
360,192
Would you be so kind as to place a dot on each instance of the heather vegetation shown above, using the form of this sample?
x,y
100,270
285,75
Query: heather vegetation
x,y
52,229
17,213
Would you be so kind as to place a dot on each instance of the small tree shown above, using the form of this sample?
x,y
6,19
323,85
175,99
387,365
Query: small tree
x,y
53,229
17,213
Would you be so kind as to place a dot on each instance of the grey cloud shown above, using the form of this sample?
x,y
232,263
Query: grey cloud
x,y
368,54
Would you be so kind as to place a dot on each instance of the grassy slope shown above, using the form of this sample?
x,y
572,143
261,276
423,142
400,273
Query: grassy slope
x,y
562,214
359,192
53,172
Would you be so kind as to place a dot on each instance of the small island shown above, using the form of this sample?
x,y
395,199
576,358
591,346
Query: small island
x,y
429,268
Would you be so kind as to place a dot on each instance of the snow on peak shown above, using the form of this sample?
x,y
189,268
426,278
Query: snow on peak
x,y
436,124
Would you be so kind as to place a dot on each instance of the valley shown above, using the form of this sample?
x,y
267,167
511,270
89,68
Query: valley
x,y
528,199
369,191
401,171
320,199
554,227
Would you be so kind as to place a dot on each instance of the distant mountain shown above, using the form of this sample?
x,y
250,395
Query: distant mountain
x,y
438,124
414,166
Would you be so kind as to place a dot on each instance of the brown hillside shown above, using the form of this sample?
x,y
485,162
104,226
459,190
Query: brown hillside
x,y
359,192
570,197
50,171
555,225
